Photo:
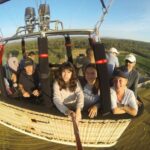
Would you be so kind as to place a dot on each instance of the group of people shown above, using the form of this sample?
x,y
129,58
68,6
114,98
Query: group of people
x,y
124,80
72,94
22,79
129,66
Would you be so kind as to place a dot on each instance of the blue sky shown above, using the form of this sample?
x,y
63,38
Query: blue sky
x,y
127,19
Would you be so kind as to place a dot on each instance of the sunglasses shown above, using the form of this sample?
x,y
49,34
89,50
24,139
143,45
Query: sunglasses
x,y
127,61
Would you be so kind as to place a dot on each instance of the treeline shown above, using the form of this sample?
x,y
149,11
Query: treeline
x,y
56,48
128,45
59,43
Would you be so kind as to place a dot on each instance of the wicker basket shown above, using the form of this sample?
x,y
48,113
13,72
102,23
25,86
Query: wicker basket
x,y
93,133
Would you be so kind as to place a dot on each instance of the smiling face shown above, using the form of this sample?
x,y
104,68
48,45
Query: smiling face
x,y
120,83
66,75
90,75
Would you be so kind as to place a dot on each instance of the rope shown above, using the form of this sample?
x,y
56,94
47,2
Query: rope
x,y
105,11
103,4
3,1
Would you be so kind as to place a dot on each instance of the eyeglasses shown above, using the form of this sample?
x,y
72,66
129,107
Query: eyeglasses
x,y
127,61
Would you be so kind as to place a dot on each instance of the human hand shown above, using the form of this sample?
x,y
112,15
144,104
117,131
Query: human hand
x,y
36,93
93,111
14,77
70,112
26,94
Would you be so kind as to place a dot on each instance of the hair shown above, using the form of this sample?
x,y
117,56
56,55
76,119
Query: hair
x,y
73,81
96,84
31,53
121,72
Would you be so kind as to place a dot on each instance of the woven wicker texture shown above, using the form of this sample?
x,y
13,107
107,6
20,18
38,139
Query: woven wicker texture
x,y
93,133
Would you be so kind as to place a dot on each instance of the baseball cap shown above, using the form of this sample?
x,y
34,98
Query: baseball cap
x,y
119,72
114,50
131,58
28,62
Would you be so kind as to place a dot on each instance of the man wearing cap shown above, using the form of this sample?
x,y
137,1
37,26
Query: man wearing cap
x,y
123,99
29,80
112,60
133,79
